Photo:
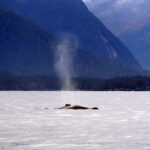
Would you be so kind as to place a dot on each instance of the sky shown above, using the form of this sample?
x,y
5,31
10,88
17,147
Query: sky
x,y
115,2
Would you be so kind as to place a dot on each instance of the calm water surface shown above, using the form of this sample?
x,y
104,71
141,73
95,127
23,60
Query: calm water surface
x,y
122,123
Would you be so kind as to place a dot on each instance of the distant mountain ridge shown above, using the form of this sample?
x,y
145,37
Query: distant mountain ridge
x,y
139,42
20,42
72,16
25,49
130,21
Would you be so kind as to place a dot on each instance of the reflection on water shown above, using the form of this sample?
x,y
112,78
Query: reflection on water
x,y
122,123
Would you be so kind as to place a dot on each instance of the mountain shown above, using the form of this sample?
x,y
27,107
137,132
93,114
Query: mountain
x,y
139,42
130,21
2,6
26,49
72,16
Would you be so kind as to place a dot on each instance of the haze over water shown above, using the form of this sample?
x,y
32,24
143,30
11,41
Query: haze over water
x,y
122,123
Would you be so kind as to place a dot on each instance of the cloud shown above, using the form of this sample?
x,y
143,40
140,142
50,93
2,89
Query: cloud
x,y
94,3
115,2
129,1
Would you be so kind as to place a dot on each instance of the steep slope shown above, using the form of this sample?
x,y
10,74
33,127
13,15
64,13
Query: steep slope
x,y
130,21
73,17
25,49
139,42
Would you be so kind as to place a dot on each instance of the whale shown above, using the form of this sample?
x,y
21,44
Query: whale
x,y
77,107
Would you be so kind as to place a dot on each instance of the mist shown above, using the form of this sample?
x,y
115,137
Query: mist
x,y
64,60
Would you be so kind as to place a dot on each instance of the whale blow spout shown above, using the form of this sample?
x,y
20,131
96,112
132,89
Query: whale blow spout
x,y
77,107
